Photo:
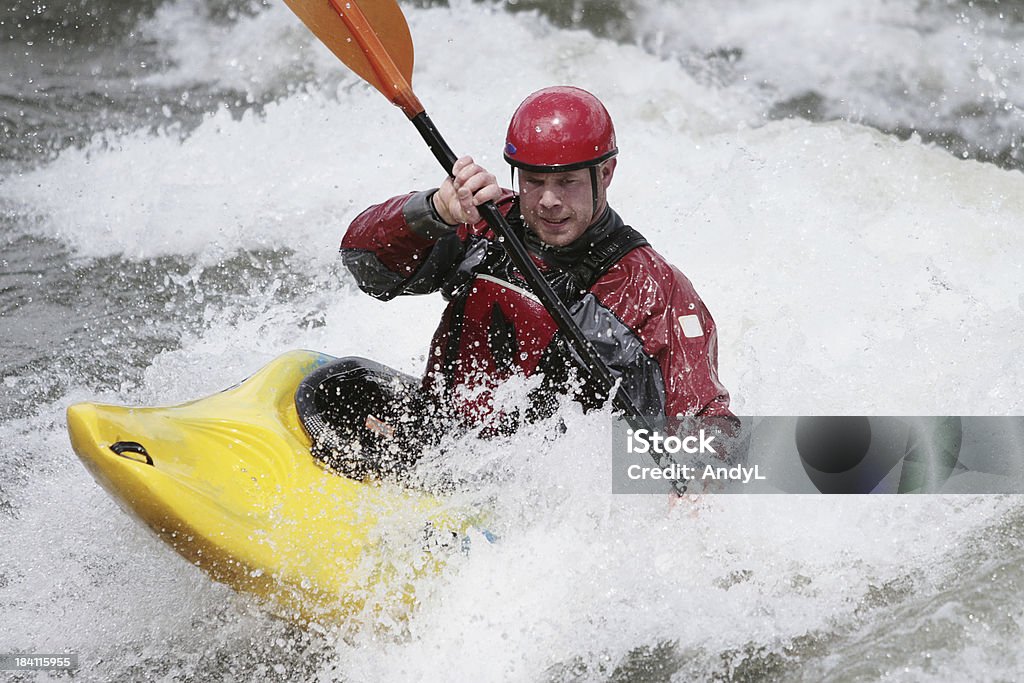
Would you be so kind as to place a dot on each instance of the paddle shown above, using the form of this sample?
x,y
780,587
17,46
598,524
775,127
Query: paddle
x,y
372,38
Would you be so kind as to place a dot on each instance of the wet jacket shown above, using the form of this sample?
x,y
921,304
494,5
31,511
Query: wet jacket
x,y
641,313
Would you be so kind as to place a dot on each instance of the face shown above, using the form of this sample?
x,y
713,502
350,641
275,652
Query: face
x,y
559,206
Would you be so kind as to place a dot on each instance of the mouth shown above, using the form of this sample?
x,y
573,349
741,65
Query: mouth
x,y
554,224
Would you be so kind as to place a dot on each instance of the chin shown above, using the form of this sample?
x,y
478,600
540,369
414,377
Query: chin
x,y
563,238
558,240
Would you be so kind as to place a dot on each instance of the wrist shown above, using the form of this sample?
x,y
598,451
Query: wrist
x,y
422,218
438,210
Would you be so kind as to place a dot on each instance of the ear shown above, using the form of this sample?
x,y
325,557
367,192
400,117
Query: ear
x,y
607,171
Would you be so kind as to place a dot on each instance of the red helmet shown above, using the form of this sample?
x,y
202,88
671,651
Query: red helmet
x,y
560,129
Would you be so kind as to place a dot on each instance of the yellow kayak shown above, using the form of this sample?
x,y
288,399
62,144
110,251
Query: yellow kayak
x,y
229,483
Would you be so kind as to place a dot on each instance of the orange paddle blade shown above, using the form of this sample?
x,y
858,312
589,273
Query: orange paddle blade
x,y
371,37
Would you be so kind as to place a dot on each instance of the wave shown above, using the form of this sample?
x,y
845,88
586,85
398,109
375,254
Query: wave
x,y
949,73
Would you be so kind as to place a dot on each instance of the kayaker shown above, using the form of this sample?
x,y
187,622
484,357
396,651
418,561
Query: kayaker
x,y
641,313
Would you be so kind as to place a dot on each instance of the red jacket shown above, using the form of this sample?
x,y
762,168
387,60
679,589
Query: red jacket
x,y
642,313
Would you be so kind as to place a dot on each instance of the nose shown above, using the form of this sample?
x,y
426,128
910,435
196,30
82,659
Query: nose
x,y
549,199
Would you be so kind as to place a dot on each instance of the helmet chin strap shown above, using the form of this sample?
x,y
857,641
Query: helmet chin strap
x,y
593,193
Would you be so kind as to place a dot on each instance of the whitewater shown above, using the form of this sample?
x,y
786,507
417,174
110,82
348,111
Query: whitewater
x,y
854,266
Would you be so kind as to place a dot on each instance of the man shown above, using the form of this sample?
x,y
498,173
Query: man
x,y
641,313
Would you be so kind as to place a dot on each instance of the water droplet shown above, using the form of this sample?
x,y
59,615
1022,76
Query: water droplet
x,y
536,129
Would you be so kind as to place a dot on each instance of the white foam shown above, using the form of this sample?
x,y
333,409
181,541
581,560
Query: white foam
x,y
897,64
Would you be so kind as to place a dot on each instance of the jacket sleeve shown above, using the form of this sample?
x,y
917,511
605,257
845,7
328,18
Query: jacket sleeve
x,y
401,247
660,307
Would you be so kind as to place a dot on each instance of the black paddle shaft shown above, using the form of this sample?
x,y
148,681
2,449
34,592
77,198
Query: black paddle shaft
x,y
593,363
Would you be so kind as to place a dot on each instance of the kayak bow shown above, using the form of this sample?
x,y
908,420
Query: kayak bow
x,y
229,483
